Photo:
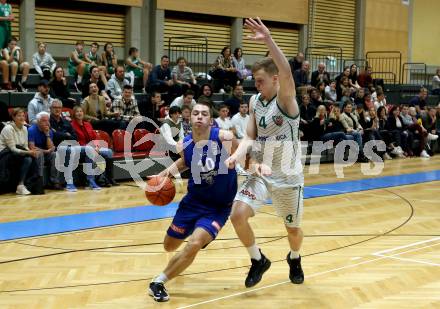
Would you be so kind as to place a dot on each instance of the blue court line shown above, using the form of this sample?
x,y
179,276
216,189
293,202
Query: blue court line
x,y
69,223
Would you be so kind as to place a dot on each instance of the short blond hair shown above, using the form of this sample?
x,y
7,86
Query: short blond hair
x,y
267,65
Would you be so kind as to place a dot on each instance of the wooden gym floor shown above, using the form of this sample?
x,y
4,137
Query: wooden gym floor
x,y
369,249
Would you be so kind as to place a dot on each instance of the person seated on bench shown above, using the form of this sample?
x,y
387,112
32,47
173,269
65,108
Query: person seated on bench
x,y
14,55
43,62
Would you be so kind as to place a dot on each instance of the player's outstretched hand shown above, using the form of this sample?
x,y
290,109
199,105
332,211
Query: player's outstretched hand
x,y
260,31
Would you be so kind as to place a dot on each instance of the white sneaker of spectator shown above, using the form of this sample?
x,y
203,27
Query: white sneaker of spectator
x,y
386,156
432,137
222,91
397,150
424,154
22,190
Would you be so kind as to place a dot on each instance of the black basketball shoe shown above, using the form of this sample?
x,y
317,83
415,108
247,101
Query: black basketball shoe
x,y
158,291
296,274
257,270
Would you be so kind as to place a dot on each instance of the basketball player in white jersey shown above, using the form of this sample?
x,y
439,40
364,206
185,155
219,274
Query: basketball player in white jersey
x,y
274,127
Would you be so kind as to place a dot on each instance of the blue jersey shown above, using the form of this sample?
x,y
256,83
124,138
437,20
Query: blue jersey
x,y
211,184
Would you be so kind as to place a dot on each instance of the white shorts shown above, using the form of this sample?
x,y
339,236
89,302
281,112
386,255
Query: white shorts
x,y
287,201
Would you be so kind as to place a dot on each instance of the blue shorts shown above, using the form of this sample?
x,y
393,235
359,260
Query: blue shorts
x,y
188,217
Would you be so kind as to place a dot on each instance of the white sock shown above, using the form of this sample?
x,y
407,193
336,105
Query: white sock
x,y
161,278
13,78
254,252
79,79
294,254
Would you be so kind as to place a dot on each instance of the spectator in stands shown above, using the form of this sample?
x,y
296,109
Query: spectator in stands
x,y
321,89
206,93
345,72
152,106
172,130
117,82
59,88
330,92
344,89
4,67
109,59
160,77
96,112
240,65
14,141
307,112
61,127
334,129
436,82
78,65
399,135
223,121
235,100
370,124
87,140
318,124
141,69
320,75
14,55
381,100
368,103
429,121
183,77
126,106
43,62
295,62
40,138
223,72
6,17
41,101
352,126
185,99
364,79
359,96
419,101
315,97
301,76
352,78
240,120
92,56
411,122
186,120
100,80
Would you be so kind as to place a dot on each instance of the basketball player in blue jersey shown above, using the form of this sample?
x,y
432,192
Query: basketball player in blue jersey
x,y
206,207
276,162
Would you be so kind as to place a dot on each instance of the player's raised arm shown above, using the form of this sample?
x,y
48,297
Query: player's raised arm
x,y
286,93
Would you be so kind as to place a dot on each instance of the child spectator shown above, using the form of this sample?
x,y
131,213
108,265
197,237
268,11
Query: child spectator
x,y
140,68
239,64
186,120
109,59
15,58
223,121
43,62
78,64
240,120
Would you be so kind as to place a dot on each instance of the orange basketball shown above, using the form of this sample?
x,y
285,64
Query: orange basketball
x,y
160,191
